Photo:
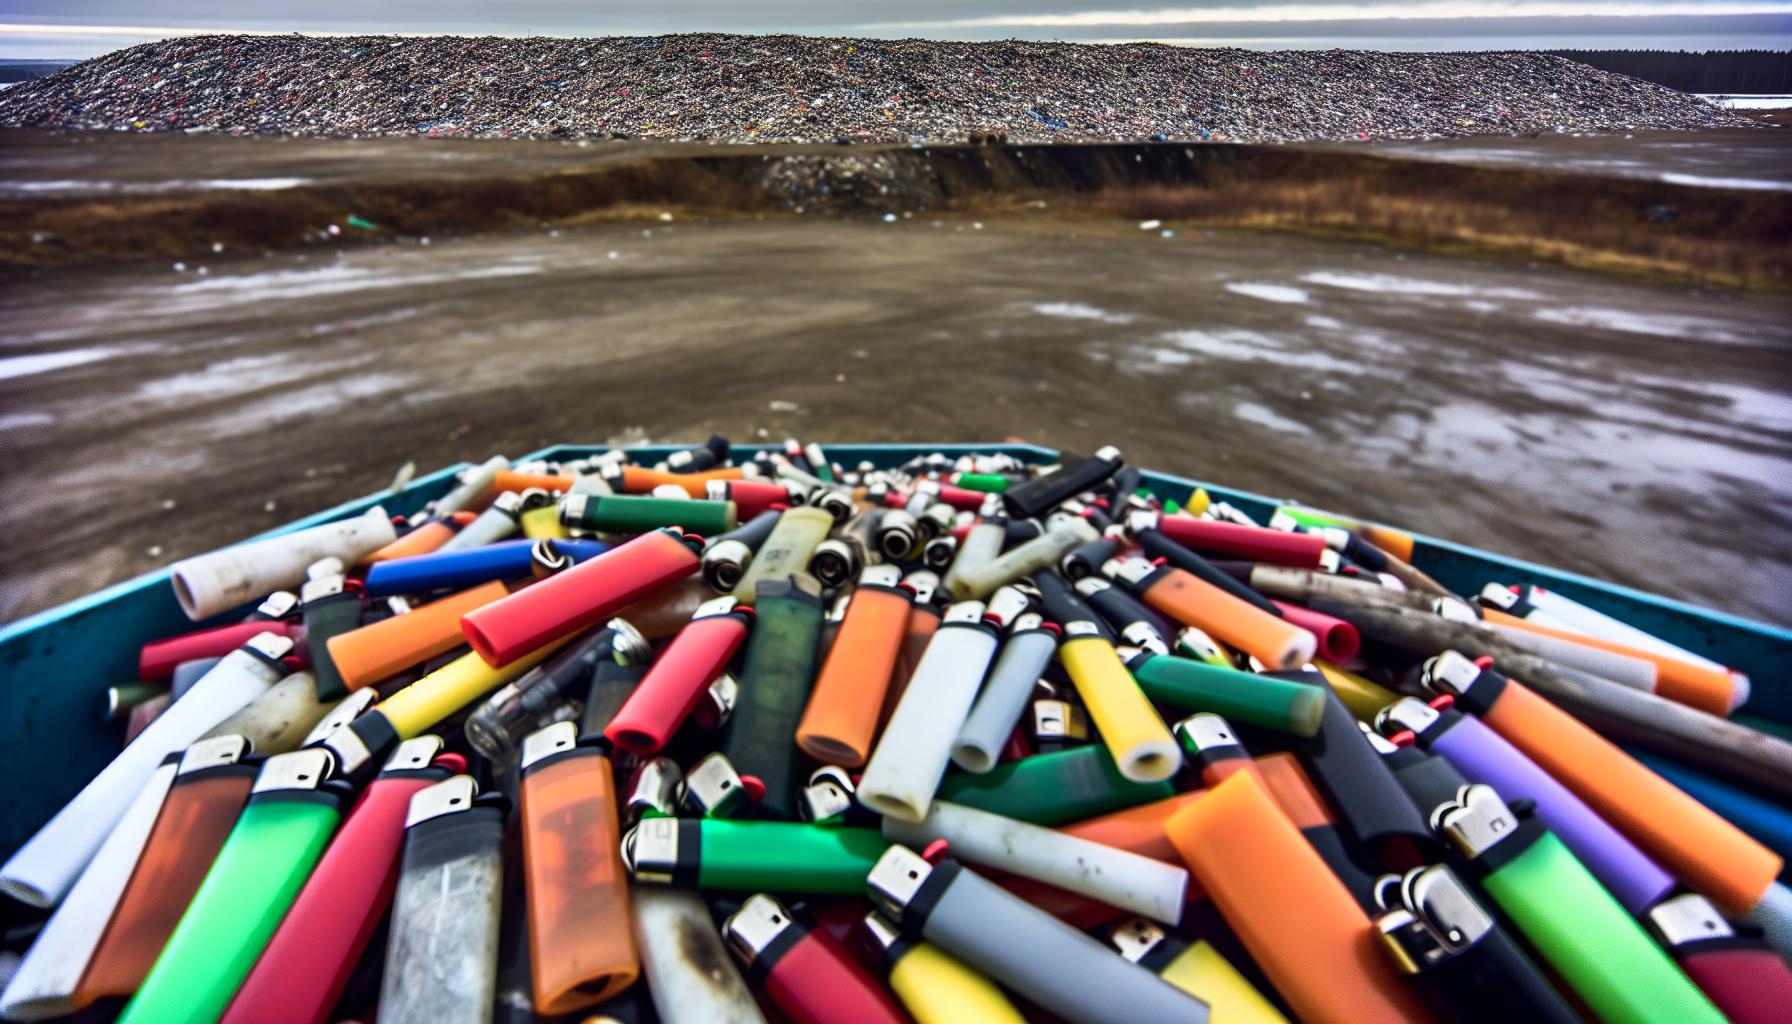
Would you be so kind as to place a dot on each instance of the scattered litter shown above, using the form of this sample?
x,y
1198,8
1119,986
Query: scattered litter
x,y
727,88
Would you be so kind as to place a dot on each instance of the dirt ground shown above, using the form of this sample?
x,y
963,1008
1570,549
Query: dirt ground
x,y
1639,434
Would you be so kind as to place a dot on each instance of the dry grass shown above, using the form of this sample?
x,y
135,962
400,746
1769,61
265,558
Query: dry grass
x,y
1732,239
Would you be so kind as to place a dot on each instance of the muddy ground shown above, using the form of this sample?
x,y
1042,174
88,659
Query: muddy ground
x,y
1639,434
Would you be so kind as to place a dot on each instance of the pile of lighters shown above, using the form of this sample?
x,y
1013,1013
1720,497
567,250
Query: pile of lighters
x,y
745,739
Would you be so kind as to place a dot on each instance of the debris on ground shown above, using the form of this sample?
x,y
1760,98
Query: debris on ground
x,y
792,89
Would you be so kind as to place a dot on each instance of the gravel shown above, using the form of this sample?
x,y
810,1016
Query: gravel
x,y
792,89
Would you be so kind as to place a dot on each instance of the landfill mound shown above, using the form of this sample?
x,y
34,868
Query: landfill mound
x,y
791,89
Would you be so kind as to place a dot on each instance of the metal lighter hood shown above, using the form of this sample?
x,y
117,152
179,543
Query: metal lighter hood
x,y
1437,897
342,714
450,797
1135,937
554,739
1477,821
1689,918
650,850
1409,714
414,754
1452,673
301,769
213,753
895,879
755,926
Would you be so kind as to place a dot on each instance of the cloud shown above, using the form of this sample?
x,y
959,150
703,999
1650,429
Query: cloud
x,y
1450,9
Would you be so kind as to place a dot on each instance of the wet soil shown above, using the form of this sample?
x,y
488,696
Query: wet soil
x,y
1637,433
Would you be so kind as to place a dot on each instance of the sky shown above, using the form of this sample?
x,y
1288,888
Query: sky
x,y
50,29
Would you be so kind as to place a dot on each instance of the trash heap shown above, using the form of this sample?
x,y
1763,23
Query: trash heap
x,y
749,738
794,89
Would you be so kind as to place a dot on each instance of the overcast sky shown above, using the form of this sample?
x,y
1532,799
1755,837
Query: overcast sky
x,y
86,28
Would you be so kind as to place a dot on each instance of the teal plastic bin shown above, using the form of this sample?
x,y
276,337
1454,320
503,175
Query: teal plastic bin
x,y
55,665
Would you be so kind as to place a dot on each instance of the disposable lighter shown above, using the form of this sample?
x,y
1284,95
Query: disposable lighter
x,y
642,479
1459,959
1134,624
214,583
1573,922
505,560
198,814
1767,820
1371,802
1211,746
500,519
364,743
1253,542
1023,657
1747,981
1158,546
911,757
382,649
421,540
713,789
301,974
897,535
1041,494
680,676
1066,533
1087,560
838,560
726,557
1056,723
960,498
330,608
1336,640
474,483
581,950
47,981
1064,604
1284,705
158,658
981,545
1053,789
1113,876
803,971
41,871
1193,602
781,856
442,954
1193,965
1698,683
774,687
1019,946
692,978
841,719
1481,755
788,550
934,987
1706,852
754,498
628,513
1577,616
578,598
611,685
1313,939
280,719
553,690
1137,738
293,809
924,617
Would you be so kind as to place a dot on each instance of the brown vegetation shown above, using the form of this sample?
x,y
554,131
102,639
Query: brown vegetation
x,y
1654,230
